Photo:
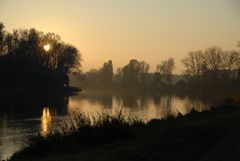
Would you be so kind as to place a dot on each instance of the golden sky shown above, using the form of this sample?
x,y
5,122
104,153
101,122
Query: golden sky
x,y
150,30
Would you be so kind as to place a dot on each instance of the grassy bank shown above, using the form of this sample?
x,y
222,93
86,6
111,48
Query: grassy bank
x,y
208,136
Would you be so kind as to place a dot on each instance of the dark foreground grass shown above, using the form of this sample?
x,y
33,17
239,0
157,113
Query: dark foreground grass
x,y
212,135
81,132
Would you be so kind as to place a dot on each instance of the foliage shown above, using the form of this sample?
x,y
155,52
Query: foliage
x,y
2,35
134,73
107,73
164,70
25,61
213,67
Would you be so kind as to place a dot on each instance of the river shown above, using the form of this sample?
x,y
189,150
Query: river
x,y
23,116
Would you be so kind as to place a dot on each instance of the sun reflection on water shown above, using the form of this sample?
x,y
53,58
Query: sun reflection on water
x,y
45,121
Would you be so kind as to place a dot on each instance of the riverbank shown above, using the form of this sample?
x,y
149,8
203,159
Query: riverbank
x,y
38,89
209,136
31,100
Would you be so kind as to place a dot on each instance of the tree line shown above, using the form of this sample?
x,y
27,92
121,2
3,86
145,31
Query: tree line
x,y
135,73
211,68
24,61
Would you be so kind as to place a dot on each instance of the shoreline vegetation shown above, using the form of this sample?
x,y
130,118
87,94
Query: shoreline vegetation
x,y
35,62
40,89
209,135
29,57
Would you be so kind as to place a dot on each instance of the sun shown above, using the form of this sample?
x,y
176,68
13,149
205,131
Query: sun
x,y
47,47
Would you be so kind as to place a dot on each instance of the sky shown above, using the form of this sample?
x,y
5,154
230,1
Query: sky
x,y
120,30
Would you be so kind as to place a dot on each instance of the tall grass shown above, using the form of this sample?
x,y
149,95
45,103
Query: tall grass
x,y
189,137
80,132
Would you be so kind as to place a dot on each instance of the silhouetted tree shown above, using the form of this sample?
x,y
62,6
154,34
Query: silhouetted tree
x,y
157,80
229,64
107,73
2,36
194,65
164,70
237,66
131,73
213,67
134,73
25,61
212,64
144,73
93,77
118,76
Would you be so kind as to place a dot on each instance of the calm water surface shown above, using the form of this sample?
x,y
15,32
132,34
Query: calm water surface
x,y
23,116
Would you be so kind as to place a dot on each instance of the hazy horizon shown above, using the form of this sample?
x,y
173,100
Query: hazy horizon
x,y
151,30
